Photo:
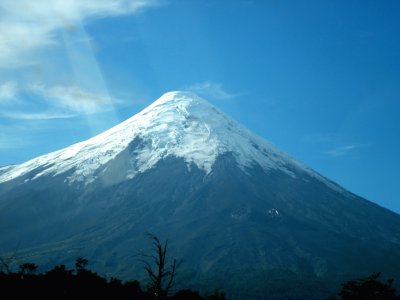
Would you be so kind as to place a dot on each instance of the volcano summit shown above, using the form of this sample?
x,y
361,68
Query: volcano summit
x,y
178,124
238,210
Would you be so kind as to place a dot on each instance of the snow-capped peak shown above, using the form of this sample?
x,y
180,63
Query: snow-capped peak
x,y
179,124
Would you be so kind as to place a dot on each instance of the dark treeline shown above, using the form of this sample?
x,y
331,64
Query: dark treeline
x,y
63,283
368,288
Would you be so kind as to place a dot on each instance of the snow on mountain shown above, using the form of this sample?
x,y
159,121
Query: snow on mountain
x,y
179,124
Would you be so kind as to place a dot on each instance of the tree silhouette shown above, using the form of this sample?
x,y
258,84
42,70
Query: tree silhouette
x,y
161,270
6,262
368,288
63,283
27,268
187,295
80,264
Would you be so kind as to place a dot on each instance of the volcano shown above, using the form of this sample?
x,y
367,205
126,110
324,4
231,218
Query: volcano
x,y
241,214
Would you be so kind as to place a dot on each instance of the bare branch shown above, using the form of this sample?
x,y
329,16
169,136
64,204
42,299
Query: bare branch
x,y
171,277
161,274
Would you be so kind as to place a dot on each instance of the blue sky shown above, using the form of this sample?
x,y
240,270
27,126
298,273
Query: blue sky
x,y
319,79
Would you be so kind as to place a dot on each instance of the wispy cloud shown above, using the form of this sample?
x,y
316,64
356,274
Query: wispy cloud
x,y
342,150
28,26
75,99
34,116
210,89
57,102
334,144
8,91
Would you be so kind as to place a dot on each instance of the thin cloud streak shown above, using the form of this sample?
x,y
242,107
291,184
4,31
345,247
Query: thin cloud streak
x,y
334,145
37,116
75,99
61,101
342,150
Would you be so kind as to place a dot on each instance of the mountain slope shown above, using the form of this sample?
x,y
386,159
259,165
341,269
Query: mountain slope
x,y
231,204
